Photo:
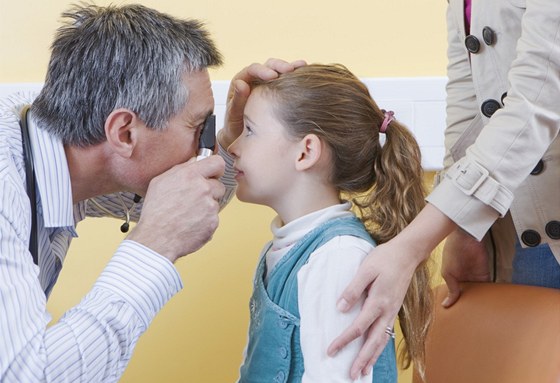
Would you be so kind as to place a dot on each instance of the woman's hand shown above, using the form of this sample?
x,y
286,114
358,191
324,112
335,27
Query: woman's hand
x,y
464,260
385,276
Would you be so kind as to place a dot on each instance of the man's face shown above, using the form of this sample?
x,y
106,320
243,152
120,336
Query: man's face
x,y
161,150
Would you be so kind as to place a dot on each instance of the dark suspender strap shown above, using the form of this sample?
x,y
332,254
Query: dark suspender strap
x,y
30,180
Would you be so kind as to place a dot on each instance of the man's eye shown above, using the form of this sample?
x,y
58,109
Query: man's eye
x,y
200,129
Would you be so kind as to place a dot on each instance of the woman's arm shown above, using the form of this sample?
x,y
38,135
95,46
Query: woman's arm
x,y
385,276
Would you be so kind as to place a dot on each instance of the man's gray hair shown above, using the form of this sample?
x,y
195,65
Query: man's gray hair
x,y
113,57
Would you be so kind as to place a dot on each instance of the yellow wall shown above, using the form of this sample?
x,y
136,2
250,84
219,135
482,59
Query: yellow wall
x,y
200,334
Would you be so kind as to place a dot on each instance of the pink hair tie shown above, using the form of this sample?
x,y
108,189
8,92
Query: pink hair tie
x,y
389,116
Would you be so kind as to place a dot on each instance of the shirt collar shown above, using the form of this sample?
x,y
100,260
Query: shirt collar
x,y
288,234
53,178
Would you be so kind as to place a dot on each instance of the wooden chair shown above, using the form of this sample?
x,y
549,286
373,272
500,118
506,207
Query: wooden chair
x,y
495,333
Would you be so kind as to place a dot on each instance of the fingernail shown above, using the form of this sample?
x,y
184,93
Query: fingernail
x,y
342,305
445,302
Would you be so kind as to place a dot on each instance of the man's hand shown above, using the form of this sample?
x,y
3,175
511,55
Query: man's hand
x,y
464,260
180,211
240,89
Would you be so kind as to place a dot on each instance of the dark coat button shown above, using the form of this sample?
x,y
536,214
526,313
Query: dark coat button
x,y
488,36
538,169
472,44
489,107
531,238
553,229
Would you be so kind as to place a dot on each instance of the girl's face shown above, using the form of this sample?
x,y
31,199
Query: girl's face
x,y
264,155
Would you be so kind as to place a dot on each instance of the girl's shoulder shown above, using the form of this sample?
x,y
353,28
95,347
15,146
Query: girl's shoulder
x,y
342,249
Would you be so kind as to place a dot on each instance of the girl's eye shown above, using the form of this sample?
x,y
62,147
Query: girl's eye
x,y
248,130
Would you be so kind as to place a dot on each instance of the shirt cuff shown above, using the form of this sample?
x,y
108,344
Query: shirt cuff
x,y
142,278
228,179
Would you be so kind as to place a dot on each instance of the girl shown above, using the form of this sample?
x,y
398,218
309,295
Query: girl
x,y
311,151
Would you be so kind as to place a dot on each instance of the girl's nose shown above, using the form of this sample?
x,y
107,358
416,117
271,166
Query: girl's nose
x,y
232,149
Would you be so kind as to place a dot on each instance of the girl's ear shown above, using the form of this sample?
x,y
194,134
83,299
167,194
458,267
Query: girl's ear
x,y
122,131
310,150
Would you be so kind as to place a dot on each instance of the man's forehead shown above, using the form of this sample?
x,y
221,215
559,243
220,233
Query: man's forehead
x,y
200,100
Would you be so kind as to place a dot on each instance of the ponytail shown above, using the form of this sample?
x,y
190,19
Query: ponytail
x,y
397,197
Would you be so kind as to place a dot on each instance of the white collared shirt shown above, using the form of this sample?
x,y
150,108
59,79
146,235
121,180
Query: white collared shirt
x,y
94,340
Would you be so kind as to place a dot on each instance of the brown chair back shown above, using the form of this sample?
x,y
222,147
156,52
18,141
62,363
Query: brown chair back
x,y
495,333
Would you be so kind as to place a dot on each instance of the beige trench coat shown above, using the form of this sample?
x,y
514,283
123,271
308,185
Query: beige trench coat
x,y
507,68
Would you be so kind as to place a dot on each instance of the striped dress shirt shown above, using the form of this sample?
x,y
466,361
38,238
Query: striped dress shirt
x,y
94,340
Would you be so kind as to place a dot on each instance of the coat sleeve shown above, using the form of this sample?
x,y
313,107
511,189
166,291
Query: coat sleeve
x,y
479,188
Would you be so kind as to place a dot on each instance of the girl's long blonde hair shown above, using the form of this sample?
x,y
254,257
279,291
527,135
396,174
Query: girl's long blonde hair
x,y
385,182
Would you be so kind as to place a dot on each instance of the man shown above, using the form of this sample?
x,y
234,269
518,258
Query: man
x,y
126,96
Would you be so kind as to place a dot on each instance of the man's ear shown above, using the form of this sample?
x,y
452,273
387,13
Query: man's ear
x,y
121,131
310,150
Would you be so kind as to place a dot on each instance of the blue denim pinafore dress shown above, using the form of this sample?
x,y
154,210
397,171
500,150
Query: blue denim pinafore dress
x,y
274,353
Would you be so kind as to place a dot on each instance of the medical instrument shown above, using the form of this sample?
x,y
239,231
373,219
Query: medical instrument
x,y
126,225
207,141
30,182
